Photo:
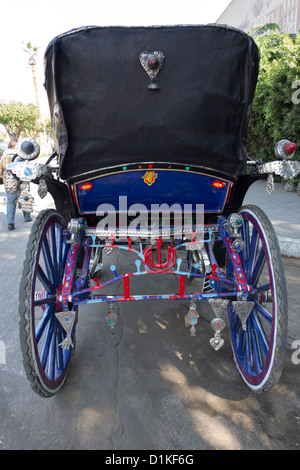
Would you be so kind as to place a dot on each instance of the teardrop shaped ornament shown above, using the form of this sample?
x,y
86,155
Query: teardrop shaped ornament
x,y
152,62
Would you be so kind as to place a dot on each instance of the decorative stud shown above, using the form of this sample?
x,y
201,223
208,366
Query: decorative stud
x,y
152,63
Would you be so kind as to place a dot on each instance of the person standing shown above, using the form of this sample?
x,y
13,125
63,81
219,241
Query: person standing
x,y
11,198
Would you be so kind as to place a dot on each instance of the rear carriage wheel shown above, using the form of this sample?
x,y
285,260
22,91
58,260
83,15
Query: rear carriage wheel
x,y
46,363
259,345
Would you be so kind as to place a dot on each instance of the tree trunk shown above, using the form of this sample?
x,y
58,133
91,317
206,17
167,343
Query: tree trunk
x,y
32,64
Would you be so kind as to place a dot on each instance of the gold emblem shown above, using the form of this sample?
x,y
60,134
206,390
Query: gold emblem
x,y
149,177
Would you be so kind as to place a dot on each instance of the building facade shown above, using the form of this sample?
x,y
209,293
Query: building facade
x,y
246,14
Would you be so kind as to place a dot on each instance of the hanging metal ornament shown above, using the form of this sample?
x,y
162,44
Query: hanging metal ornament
x,y
10,182
219,306
67,320
26,200
152,62
243,309
192,317
42,188
270,184
289,186
218,325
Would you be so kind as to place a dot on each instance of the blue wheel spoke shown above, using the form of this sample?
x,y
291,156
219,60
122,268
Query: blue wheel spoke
x,y
60,362
48,262
51,367
62,252
264,312
260,339
44,322
248,351
257,270
46,342
245,252
248,348
50,334
49,286
252,254
53,250
258,361
263,288
260,332
47,300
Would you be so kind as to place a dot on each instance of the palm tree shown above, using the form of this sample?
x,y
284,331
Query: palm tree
x,y
32,52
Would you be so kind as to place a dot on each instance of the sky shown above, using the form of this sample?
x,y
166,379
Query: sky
x,y
39,21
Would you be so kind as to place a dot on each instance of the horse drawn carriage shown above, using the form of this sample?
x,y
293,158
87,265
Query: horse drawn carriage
x,y
150,127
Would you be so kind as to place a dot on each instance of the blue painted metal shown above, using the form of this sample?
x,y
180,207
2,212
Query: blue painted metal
x,y
165,187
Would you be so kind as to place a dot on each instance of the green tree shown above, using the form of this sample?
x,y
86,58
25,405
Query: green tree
x,y
20,119
274,114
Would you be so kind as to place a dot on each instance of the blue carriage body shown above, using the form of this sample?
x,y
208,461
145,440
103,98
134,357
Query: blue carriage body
x,y
152,188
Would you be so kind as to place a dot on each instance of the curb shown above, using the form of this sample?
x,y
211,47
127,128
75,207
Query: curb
x,y
289,247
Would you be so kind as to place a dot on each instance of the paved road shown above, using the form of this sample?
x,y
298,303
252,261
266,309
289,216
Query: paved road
x,y
150,386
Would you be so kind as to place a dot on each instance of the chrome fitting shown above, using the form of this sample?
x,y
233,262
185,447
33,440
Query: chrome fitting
x,y
75,226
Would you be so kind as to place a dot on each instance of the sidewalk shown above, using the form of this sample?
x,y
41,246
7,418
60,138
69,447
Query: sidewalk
x,y
283,209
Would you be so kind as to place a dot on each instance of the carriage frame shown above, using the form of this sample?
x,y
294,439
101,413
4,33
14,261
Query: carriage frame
x,y
230,250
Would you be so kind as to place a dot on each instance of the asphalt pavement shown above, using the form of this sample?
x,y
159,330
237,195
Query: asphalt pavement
x,y
151,386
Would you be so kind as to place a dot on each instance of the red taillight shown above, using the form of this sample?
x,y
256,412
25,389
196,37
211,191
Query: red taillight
x,y
284,149
86,186
290,148
219,184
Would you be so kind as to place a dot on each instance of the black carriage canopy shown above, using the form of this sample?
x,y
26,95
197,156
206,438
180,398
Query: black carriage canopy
x,y
104,114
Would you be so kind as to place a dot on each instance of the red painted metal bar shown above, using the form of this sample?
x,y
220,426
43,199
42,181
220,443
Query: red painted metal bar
x,y
181,285
126,287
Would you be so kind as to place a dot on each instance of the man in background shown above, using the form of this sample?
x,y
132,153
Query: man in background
x,y
11,198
